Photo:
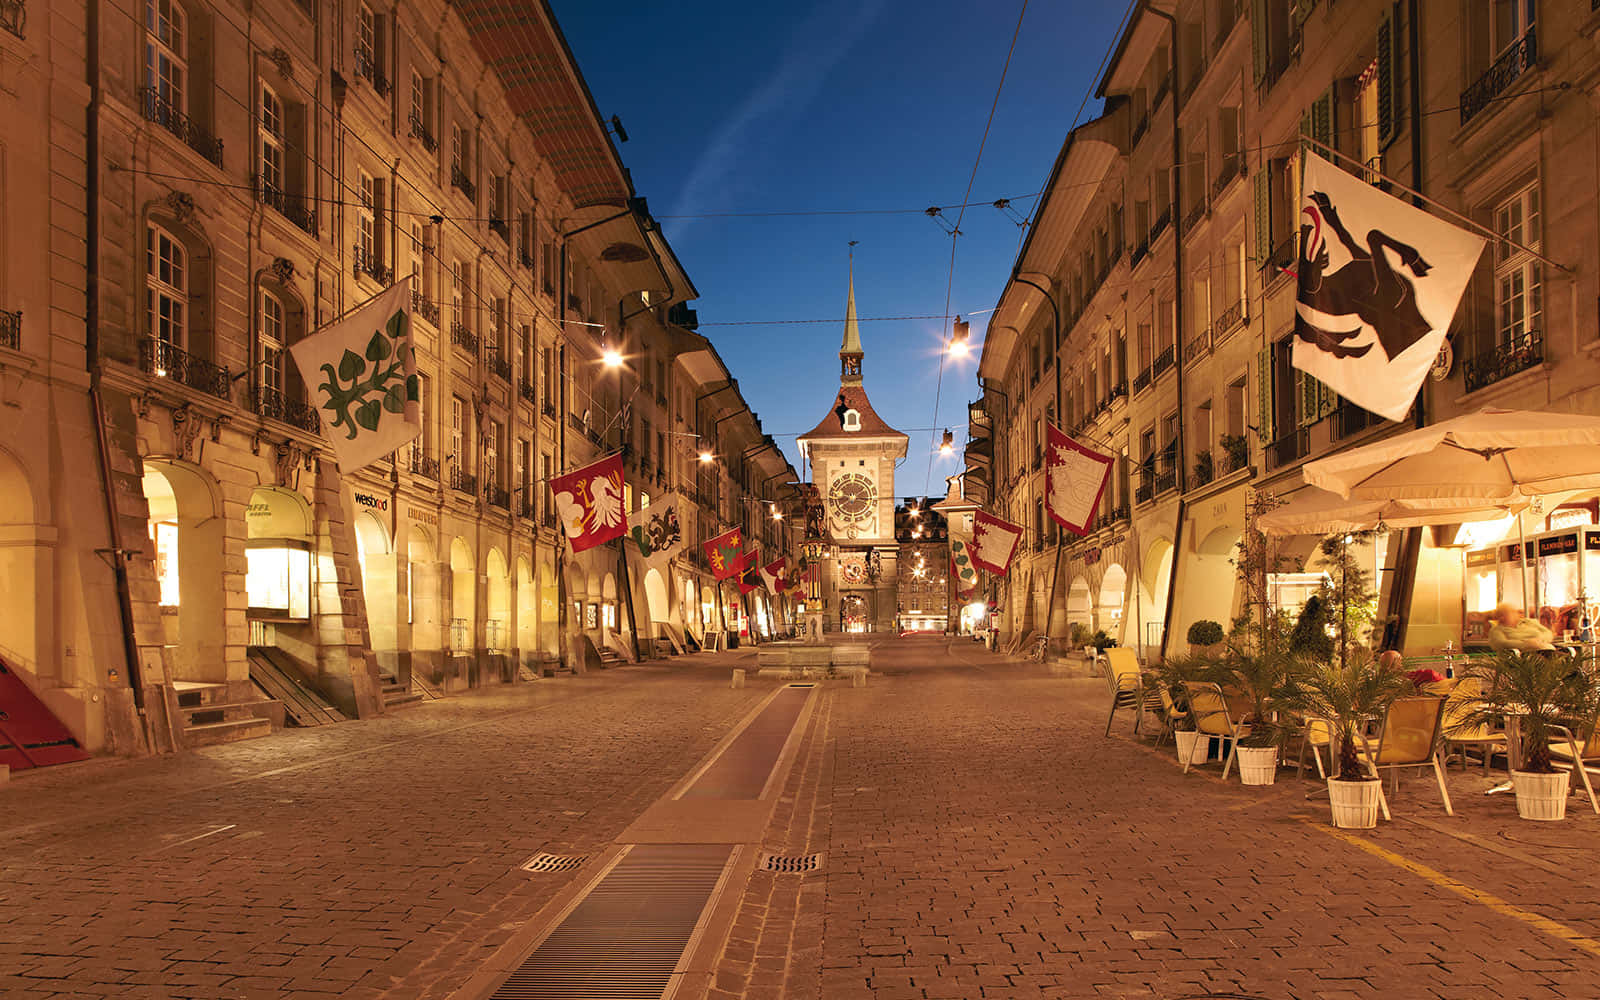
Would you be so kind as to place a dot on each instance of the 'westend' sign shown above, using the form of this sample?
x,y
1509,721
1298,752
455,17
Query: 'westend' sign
x,y
368,500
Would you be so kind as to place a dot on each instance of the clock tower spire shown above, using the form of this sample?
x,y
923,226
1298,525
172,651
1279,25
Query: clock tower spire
x,y
850,352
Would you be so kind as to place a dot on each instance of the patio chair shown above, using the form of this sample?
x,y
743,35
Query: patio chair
x,y
1122,677
1576,757
1486,740
1409,738
1315,735
1155,701
1209,709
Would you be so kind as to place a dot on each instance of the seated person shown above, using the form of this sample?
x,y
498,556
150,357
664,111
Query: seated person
x,y
1512,631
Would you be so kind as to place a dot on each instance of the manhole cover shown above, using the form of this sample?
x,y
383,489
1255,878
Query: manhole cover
x,y
554,862
791,864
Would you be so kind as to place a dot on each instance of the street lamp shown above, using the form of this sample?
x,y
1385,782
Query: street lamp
x,y
959,339
706,457
611,358
948,444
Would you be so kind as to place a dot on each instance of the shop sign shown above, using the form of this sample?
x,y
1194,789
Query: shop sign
x,y
372,502
1558,545
1092,556
1486,557
1591,539
423,517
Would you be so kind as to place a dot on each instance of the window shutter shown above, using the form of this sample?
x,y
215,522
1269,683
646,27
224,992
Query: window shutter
x,y
1263,208
1264,395
1328,402
1306,397
1258,38
1388,82
1322,123
1299,10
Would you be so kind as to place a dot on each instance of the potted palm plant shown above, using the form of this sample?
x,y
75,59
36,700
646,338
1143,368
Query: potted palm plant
x,y
1171,673
1346,695
1258,677
1542,692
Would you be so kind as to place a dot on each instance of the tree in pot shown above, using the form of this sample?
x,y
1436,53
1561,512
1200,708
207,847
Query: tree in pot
x,y
1172,673
1257,675
1204,635
1345,696
1548,695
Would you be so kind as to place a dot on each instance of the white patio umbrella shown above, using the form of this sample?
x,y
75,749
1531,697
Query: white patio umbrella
x,y
1491,457
1311,510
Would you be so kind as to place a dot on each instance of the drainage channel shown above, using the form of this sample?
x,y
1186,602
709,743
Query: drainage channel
x,y
628,934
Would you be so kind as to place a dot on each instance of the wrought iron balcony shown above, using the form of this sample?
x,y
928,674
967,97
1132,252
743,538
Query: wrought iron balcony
x,y
11,329
1351,419
1515,355
1232,169
14,16
1116,514
291,206
1205,468
1235,452
420,132
1163,360
463,183
365,262
160,111
500,228
527,391
1166,481
1282,259
367,69
422,465
1198,344
1118,391
463,337
1160,224
1141,380
549,409
499,367
1145,491
526,259
1192,217
1231,317
495,496
164,360
276,405
575,421
425,307
1288,449
1514,62
1139,253
465,482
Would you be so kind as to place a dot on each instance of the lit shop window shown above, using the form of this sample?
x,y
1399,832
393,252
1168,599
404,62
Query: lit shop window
x,y
610,611
278,578
165,535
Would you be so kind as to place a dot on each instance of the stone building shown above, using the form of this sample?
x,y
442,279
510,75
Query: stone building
x,y
1151,306
246,175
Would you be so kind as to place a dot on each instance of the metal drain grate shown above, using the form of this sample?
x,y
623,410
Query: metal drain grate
x,y
625,938
554,862
792,864
744,767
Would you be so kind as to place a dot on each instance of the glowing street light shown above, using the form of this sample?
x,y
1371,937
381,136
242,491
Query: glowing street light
x,y
948,444
611,358
706,457
959,337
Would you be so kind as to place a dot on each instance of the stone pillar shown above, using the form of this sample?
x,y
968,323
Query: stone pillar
x,y
347,669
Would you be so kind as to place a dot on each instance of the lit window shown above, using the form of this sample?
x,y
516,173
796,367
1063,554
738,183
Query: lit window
x,y
166,286
271,335
1518,274
277,579
610,611
165,535
271,127
165,42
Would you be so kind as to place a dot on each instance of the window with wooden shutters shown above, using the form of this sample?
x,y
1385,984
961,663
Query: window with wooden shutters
x,y
1264,395
1263,217
1386,86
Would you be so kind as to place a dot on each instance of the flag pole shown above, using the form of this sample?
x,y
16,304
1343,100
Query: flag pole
x,y
1467,221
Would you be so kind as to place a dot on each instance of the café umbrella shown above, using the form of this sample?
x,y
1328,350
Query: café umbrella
x,y
1311,510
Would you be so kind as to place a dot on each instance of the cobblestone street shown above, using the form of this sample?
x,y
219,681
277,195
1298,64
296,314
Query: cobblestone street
x,y
981,838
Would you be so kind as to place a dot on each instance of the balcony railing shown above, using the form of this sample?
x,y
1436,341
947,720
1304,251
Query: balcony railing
x,y
1192,217
548,409
464,482
1160,224
291,206
1117,391
160,111
1515,61
1515,355
420,131
1199,344
499,367
527,391
275,404
1139,253
14,16
1282,259
500,228
1287,449
463,337
367,69
1116,514
1163,360
463,183
1205,469
1166,481
425,307
526,259
11,329
1350,419
495,496
1145,491
1232,168
1141,380
422,465
164,360
1231,317
365,262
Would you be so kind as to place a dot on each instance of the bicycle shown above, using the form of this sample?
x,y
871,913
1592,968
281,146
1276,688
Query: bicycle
x,y
1041,647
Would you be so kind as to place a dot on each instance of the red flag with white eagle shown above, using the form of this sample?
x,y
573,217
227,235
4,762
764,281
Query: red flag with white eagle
x,y
1075,479
994,542
772,575
589,503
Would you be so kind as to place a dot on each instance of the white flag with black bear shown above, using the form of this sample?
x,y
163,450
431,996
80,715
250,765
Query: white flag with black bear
x,y
1379,284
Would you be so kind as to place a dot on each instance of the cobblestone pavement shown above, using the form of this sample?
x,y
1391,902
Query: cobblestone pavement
x,y
981,838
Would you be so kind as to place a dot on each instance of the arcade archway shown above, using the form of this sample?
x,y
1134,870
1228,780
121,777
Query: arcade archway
x,y
187,531
463,598
380,587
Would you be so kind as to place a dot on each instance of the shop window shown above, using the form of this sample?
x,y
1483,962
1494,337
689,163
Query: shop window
x,y
165,536
610,615
278,578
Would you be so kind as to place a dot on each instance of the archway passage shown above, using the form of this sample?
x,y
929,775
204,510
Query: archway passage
x,y
549,606
497,618
187,531
1209,584
25,607
527,611
423,610
1080,605
1112,602
1155,579
463,598
380,586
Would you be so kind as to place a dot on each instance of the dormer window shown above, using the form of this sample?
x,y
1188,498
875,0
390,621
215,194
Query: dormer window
x,y
852,420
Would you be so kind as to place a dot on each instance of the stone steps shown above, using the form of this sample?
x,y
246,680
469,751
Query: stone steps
x,y
207,717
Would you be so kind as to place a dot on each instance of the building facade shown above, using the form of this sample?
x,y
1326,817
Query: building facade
x,y
1152,304
245,176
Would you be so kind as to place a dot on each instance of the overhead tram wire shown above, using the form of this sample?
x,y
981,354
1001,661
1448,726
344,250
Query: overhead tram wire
x,y
955,230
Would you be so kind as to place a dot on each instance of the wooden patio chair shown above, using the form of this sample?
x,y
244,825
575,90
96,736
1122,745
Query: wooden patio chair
x,y
1156,702
1122,677
1409,738
1578,758
1315,735
1208,707
1481,737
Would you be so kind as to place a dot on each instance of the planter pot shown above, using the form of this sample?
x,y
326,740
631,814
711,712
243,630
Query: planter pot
x,y
1192,747
1257,765
1541,796
1355,803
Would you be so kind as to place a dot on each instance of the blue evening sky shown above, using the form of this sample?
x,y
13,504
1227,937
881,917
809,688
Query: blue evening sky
x,y
832,105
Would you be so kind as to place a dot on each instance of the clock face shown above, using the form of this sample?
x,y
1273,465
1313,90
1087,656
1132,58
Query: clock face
x,y
852,496
853,570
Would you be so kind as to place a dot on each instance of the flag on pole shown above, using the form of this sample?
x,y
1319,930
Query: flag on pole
x,y
656,532
726,553
994,541
966,574
1076,479
589,502
1379,282
772,576
365,375
749,572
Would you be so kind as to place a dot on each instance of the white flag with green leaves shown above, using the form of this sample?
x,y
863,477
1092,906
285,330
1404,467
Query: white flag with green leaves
x,y
361,375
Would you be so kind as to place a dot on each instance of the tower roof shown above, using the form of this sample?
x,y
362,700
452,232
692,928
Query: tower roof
x,y
852,330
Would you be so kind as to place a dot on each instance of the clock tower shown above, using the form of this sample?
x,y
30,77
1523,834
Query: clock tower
x,y
852,454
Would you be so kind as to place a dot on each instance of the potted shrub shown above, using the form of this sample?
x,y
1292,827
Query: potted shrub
x,y
1171,673
1204,467
1237,448
1542,691
1258,677
1346,696
1204,637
